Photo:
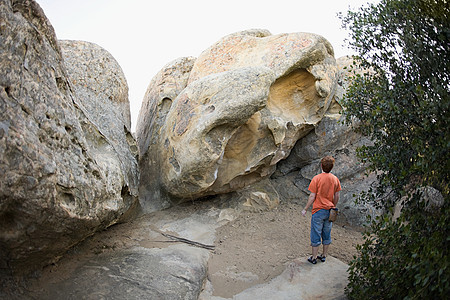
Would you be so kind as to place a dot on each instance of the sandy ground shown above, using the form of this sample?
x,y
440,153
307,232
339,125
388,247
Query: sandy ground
x,y
256,247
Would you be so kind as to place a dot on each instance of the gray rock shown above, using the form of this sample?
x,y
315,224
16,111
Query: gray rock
x,y
95,74
101,92
331,137
300,281
61,175
260,196
161,92
431,197
134,260
176,272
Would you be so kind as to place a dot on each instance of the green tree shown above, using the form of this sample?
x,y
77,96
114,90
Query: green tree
x,y
402,104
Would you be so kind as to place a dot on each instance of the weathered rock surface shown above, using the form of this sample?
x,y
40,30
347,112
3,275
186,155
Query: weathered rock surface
x,y
226,120
247,100
176,272
135,261
62,176
301,280
330,137
101,92
96,75
199,154
260,196
161,92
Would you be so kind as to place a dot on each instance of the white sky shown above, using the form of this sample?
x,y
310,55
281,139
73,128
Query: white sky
x,y
143,36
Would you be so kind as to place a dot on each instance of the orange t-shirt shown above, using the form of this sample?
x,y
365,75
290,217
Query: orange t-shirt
x,y
324,186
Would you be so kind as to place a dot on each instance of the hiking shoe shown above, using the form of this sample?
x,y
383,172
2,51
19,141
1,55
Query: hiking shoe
x,y
312,260
322,258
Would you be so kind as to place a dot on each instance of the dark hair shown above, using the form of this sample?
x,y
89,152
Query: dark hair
x,y
327,163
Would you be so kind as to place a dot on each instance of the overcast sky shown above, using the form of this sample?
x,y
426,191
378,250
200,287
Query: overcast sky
x,y
143,36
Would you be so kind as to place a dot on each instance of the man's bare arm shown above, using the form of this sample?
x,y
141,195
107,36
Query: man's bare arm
x,y
311,199
336,198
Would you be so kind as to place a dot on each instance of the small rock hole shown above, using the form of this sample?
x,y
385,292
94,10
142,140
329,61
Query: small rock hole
x,y
8,91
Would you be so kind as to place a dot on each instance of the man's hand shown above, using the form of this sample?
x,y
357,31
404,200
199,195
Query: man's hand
x,y
304,212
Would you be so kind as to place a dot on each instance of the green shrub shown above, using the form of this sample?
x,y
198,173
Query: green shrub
x,y
402,104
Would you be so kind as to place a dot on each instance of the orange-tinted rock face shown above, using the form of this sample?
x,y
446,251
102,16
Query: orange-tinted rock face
x,y
280,53
248,99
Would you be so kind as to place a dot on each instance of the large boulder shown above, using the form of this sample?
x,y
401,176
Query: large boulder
x,y
247,101
99,81
161,92
101,92
66,169
211,133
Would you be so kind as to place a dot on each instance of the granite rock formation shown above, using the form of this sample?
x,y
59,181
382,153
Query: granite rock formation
x,y
251,116
161,92
62,175
247,100
101,91
248,120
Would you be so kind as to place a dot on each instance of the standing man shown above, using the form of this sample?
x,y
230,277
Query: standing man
x,y
324,196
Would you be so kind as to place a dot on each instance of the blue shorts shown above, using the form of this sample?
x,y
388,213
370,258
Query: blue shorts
x,y
321,228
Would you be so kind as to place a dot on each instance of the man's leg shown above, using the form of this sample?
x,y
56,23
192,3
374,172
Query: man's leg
x,y
325,250
326,236
316,231
315,251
